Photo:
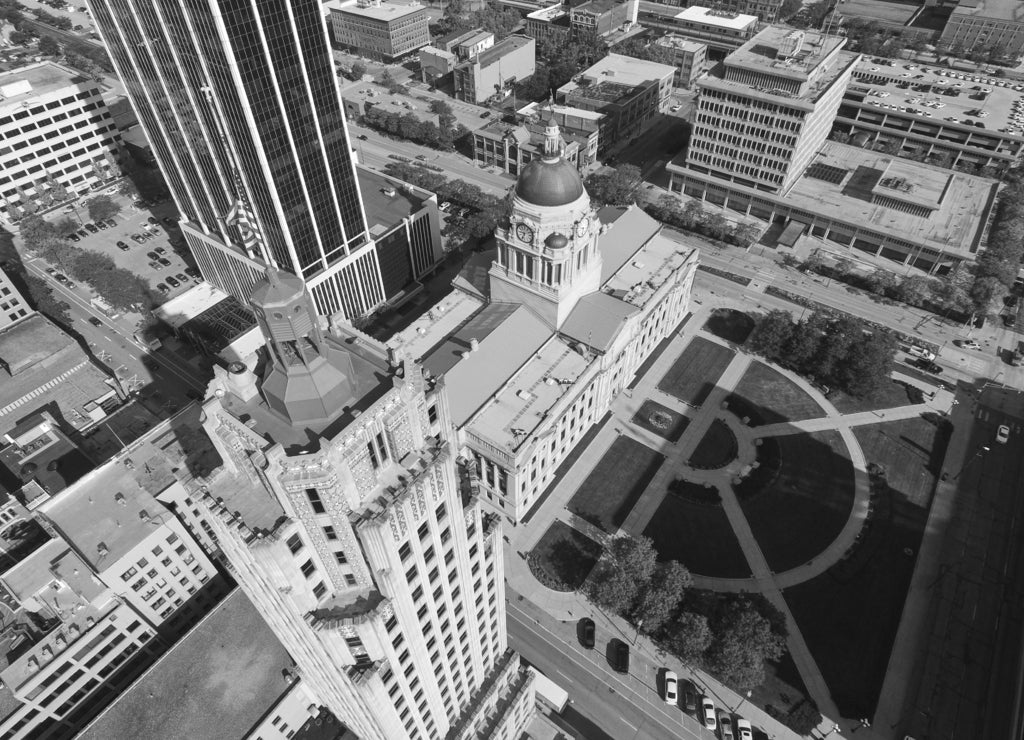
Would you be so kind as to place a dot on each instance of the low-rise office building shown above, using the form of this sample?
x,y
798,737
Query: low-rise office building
x,y
513,145
689,57
946,116
552,22
379,29
985,25
628,91
468,44
603,17
494,71
57,138
723,31
435,64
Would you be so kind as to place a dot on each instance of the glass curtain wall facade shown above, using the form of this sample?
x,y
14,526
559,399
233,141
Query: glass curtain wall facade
x,y
239,101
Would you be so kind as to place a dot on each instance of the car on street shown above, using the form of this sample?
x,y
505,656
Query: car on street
x,y
620,657
74,237
362,137
60,278
172,282
94,321
164,261
50,270
743,729
707,714
422,157
725,727
921,352
153,256
928,366
587,632
1003,434
967,344
671,688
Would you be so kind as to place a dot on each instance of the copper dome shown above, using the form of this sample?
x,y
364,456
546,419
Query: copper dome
x,y
549,183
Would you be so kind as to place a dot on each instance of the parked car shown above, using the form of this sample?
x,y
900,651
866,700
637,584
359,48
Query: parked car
x,y
168,220
137,239
160,250
674,108
153,256
164,262
74,237
725,727
192,272
967,344
50,271
707,714
110,222
162,288
671,688
422,157
60,278
82,233
1009,319
94,321
154,265
362,137
181,278
91,228
485,114
928,366
921,352
620,656
172,282
102,225
587,632
743,729
1003,434
152,220
445,205
123,247
689,697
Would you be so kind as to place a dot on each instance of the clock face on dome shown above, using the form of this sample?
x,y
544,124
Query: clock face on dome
x,y
524,232
583,227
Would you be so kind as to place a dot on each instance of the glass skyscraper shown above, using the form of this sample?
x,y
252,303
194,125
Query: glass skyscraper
x,y
240,103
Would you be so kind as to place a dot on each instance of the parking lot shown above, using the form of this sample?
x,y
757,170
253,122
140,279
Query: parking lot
x,y
138,244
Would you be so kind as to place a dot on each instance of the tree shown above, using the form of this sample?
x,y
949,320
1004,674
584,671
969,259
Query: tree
x,y
771,334
48,46
868,364
41,296
882,282
693,214
804,342
661,596
626,568
743,641
638,48
102,207
914,290
716,226
615,187
689,636
788,8
65,226
840,335
19,38
745,234
358,70
34,229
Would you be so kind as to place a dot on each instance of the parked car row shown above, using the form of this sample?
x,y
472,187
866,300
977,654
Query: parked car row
x,y
91,228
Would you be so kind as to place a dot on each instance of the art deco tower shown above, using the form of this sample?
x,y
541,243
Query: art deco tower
x,y
342,512
239,101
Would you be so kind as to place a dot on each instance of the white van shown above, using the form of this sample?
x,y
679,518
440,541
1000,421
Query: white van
x,y
921,352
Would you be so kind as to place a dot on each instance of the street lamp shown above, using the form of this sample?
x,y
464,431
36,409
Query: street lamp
x,y
981,449
863,723
742,699
639,624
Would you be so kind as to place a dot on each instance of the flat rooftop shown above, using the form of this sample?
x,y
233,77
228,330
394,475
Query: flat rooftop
x,y
188,305
542,109
383,211
951,97
1004,10
762,53
114,503
629,71
504,47
839,185
719,18
386,11
680,43
525,399
218,681
551,13
26,83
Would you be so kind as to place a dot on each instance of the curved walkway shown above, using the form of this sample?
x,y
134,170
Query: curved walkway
x,y
569,606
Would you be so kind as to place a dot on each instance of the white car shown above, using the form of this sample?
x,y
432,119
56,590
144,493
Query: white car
x,y
744,730
924,354
1003,434
969,344
707,713
674,108
671,688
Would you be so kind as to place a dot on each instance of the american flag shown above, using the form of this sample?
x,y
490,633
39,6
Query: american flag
x,y
241,215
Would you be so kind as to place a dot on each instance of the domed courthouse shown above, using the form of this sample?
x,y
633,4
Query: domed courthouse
x,y
542,333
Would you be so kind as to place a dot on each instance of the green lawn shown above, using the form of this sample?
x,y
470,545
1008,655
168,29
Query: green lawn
x,y
889,396
729,324
694,373
661,420
563,557
615,484
698,536
771,397
801,510
850,614
716,449
910,451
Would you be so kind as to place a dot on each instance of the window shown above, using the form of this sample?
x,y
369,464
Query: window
x,y
308,569
314,501
404,551
424,530
350,579
432,413
294,543
319,590
329,533
339,558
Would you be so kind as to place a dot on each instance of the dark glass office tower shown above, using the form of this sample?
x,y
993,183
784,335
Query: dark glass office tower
x,y
240,103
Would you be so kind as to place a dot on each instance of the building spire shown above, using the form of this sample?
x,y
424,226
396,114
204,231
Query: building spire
x,y
553,144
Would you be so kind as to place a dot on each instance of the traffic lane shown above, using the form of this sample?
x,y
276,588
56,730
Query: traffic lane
x,y
589,672
178,368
